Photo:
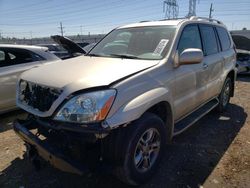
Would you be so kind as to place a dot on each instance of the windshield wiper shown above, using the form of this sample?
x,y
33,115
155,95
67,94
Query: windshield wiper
x,y
124,56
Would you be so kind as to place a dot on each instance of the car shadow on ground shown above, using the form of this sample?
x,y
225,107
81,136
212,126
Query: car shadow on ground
x,y
243,77
6,119
188,161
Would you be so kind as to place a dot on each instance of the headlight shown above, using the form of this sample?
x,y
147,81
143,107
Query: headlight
x,y
89,107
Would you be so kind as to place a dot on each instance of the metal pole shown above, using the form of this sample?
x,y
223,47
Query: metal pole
x,y
210,11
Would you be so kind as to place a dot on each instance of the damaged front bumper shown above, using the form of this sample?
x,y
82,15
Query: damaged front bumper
x,y
54,155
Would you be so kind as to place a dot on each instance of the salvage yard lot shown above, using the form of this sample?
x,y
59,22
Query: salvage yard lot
x,y
215,152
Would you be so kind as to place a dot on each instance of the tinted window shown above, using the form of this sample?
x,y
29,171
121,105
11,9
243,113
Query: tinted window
x,y
20,56
190,38
209,40
2,55
14,56
224,38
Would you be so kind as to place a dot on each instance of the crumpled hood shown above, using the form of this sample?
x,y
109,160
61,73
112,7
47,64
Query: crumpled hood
x,y
85,72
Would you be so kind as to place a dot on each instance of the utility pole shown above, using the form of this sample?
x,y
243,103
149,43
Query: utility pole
x,y
171,8
210,11
81,33
61,28
31,38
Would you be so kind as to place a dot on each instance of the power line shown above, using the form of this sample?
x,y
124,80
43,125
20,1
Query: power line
x,y
25,6
39,9
90,17
58,8
98,10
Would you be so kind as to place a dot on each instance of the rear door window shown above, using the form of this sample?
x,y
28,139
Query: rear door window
x,y
209,40
190,38
224,38
15,56
20,56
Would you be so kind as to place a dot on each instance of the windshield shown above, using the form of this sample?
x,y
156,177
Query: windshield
x,y
150,43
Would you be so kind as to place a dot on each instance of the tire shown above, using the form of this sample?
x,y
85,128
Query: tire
x,y
137,160
224,96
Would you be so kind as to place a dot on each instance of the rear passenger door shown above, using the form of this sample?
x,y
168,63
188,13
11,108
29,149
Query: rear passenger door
x,y
13,62
227,51
213,61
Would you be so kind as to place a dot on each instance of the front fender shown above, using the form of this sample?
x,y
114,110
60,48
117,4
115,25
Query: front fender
x,y
136,107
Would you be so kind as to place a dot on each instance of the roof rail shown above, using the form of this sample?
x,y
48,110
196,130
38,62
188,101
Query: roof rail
x,y
145,21
180,18
205,19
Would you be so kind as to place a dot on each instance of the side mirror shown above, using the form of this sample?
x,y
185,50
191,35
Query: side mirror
x,y
189,56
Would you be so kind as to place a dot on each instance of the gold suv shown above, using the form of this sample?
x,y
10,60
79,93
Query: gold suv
x,y
119,104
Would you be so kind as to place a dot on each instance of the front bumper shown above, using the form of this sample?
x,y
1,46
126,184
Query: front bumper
x,y
45,150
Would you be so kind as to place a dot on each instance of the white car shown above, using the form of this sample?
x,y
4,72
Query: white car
x,y
15,59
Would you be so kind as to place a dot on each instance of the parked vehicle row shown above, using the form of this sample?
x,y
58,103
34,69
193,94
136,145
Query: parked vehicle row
x,y
140,86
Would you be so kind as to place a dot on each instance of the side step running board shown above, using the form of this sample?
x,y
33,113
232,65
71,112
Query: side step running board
x,y
188,121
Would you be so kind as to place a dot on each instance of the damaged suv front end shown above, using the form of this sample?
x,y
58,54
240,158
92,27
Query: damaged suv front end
x,y
71,116
77,122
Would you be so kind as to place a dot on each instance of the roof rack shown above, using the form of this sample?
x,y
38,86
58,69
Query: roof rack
x,y
205,19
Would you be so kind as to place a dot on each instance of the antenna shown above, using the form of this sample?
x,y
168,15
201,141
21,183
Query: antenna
x,y
210,11
171,8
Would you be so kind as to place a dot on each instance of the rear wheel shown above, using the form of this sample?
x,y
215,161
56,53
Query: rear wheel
x,y
141,149
224,96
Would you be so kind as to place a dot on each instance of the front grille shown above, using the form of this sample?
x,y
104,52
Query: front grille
x,y
36,96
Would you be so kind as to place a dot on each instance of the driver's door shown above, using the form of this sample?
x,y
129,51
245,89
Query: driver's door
x,y
190,87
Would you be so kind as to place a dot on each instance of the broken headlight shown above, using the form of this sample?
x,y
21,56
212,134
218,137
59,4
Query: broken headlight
x,y
87,108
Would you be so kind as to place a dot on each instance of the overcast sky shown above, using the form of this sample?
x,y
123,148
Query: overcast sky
x,y
26,18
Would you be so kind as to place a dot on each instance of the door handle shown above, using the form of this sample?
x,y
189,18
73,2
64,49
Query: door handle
x,y
205,66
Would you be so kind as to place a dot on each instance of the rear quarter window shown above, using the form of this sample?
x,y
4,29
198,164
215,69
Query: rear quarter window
x,y
224,38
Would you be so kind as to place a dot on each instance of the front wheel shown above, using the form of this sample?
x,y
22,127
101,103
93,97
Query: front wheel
x,y
224,96
142,149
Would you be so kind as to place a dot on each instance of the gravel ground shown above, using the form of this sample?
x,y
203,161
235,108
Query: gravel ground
x,y
215,152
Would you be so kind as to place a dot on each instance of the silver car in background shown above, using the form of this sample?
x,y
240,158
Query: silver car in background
x,y
15,59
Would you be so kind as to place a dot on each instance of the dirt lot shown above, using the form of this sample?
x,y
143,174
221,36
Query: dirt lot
x,y
213,153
